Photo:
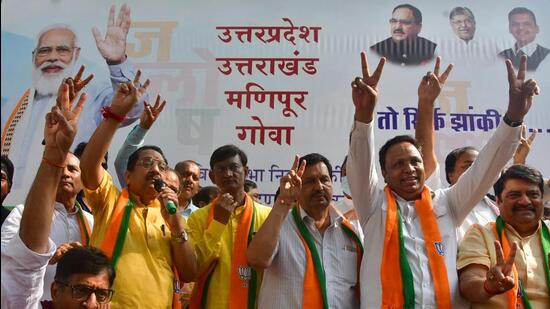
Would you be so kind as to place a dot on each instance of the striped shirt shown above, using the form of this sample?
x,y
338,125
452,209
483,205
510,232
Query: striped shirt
x,y
283,282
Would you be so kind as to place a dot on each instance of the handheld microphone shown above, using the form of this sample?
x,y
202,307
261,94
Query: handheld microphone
x,y
170,206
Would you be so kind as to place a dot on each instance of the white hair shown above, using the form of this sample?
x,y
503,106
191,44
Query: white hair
x,y
53,27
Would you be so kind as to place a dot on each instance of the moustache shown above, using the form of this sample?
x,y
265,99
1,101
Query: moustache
x,y
398,31
523,207
152,175
56,63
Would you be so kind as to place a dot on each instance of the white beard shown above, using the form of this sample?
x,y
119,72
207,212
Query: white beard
x,y
48,84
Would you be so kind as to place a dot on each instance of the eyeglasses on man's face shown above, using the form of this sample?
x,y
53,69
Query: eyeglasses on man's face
x,y
82,292
147,162
62,50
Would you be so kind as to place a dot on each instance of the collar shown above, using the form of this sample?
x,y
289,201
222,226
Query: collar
x,y
188,209
511,229
61,208
528,49
333,214
137,201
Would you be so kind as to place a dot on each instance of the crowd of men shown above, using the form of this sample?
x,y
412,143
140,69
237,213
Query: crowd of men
x,y
162,241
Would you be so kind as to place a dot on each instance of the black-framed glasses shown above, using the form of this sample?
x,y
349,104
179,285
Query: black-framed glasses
x,y
83,292
147,162
62,50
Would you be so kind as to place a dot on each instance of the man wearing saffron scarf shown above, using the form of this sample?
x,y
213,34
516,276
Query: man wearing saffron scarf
x,y
504,264
71,226
409,229
84,276
148,246
221,232
310,252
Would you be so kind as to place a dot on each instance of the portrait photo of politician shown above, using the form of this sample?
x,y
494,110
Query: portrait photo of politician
x,y
463,23
522,24
405,47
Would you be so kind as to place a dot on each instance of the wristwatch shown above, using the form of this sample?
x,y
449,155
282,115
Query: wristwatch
x,y
181,237
511,122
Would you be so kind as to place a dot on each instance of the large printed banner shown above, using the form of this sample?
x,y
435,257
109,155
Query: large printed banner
x,y
273,77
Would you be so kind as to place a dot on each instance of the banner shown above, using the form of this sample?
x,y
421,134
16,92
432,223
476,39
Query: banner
x,y
273,77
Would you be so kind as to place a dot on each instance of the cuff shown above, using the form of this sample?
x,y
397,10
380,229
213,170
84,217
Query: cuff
x,y
124,70
27,258
508,133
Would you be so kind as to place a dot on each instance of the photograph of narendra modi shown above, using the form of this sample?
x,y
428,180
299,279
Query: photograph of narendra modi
x,y
55,57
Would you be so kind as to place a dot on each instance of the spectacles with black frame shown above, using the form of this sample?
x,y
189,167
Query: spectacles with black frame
x,y
83,292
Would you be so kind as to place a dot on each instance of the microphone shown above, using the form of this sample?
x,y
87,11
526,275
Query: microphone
x,y
170,206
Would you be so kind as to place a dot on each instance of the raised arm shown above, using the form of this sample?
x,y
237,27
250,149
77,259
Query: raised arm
x,y
125,98
361,169
136,137
261,249
59,133
428,91
112,48
479,178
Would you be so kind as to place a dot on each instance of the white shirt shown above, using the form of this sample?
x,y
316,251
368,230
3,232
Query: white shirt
x,y
283,281
64,229
29,132
483,213
528,49
23,274
471,53
346,205
450,205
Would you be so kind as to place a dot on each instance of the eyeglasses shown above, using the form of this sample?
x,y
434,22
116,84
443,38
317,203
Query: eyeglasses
x,y
62,50
83,292
405,22
147,162
466,22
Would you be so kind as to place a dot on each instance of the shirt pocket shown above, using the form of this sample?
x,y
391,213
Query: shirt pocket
x,y
346,263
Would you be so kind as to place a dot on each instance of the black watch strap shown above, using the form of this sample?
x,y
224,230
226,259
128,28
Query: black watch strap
x,y
511,122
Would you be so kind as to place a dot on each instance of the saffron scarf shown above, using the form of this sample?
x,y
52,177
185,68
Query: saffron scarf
x,y
395,272
83,225
114,238
512,295
243,279
315,287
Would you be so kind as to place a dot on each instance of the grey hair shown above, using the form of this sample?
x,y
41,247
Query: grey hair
x,y
52,27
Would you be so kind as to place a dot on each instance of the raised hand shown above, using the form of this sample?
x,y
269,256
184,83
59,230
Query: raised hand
x,y
500,278
75,84
61,125
291,183
520,156
113,46
128,94
432,83
520,92
365,90
151,113
62,249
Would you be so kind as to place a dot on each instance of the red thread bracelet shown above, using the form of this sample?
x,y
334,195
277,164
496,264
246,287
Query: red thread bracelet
x,y
108,113
50,163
